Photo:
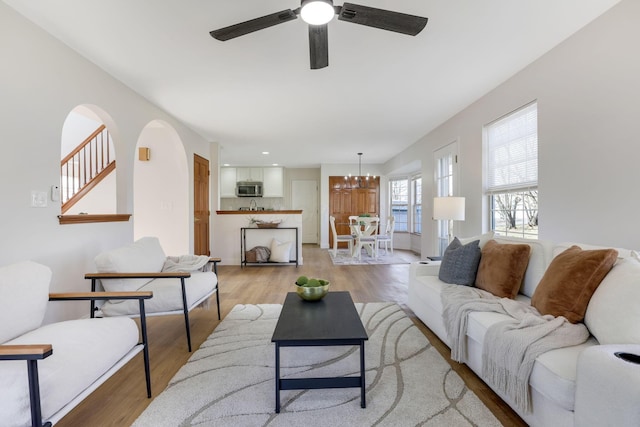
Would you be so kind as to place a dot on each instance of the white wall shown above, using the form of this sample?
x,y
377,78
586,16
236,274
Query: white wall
x,y
587,90
41,82
160,199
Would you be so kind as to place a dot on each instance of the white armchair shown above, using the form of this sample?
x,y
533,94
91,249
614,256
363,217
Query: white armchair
x,y
65,361
143,266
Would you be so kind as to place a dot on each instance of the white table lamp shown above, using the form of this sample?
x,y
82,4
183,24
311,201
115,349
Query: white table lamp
x,y
448,209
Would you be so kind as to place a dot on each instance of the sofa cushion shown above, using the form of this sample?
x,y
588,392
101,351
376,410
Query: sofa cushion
x,y
24,293
167,295
558,248
554,372
502,268
483,238
83,350
613,313
460,263
571,280
539,260
142,256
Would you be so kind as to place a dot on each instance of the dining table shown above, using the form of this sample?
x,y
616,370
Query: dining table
x,y
363,226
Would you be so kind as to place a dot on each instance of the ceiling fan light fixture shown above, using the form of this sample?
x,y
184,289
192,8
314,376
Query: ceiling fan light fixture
x,y
317,12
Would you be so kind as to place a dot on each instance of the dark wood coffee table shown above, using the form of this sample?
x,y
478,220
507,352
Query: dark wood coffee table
x,y
332,321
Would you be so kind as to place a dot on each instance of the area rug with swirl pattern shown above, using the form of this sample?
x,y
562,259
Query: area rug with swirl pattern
x,y
230,381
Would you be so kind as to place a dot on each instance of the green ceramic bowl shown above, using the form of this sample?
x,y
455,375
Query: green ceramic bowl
x,y
313,293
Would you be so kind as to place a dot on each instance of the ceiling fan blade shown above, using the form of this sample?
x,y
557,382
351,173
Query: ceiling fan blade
x,y
383,19
318,46
237,30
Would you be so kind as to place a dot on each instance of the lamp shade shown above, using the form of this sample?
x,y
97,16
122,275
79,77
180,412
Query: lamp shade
x,y
448,208
317,12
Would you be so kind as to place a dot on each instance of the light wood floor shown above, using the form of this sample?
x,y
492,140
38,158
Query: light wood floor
x,y
120,400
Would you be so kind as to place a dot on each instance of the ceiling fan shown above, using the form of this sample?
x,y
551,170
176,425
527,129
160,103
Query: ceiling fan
x,y
317,13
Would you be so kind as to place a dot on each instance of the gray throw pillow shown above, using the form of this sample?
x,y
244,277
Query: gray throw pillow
x,y
460,263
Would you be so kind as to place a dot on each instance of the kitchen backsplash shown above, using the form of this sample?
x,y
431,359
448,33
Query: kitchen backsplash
x,y
235,203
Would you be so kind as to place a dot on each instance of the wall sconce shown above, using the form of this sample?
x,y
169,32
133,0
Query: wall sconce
x,y
144,154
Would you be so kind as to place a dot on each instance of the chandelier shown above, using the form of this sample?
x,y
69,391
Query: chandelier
x,y
360,180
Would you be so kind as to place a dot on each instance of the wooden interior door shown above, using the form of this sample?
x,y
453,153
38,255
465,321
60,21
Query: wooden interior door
x,y
201,210
347,198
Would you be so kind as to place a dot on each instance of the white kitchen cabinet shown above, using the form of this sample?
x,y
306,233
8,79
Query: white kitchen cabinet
x,y
228,182
249,174
273,182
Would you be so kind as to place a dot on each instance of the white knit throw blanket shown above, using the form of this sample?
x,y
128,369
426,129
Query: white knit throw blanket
x,y
511,347
185,263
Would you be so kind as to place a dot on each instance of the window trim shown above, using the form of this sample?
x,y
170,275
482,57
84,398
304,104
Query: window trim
x,y
415,222
408,179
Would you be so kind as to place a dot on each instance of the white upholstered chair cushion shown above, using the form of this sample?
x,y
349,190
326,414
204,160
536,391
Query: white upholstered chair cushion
x,y
83,350
24,293
167,295
142,256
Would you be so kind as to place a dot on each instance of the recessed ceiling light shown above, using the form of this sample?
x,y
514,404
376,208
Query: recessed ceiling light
x,y
274,164
265,152
225,164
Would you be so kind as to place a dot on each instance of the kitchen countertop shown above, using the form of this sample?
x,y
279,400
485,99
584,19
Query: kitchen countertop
x,y
274,212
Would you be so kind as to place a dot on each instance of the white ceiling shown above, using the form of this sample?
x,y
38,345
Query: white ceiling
x,y
381,92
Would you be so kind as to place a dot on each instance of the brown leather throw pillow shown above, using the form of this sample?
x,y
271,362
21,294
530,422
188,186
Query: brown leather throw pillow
x,y
502,268
570,280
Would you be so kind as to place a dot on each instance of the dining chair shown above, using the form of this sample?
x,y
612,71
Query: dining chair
x,y
387,237
339,237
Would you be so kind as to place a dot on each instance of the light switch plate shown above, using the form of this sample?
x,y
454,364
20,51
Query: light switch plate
x,y
38,199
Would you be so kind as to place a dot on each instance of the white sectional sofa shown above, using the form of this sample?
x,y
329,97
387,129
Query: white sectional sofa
x,y
581,385
46,370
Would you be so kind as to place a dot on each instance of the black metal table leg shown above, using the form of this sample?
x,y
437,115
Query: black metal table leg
x,y
363,399
277,378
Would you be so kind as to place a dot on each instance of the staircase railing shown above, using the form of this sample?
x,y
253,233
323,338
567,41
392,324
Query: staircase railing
x,y
83,168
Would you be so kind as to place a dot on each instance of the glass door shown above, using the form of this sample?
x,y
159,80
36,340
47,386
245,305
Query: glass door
x,y
445,177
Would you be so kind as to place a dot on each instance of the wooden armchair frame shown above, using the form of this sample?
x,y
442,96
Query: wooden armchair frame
x,y
33,352
171,275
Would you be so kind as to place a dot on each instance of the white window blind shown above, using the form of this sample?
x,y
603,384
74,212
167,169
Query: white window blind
x,y
512,151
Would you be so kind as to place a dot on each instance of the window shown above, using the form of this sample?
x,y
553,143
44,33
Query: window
x,y
512,173
399,203
416,204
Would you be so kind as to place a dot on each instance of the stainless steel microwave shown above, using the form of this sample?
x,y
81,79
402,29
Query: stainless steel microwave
x,y
249,189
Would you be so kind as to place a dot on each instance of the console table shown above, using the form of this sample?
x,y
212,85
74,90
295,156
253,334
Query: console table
x,y
243,245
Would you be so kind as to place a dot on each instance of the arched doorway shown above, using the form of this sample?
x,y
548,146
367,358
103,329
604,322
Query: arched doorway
x,y
88,167
161,188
